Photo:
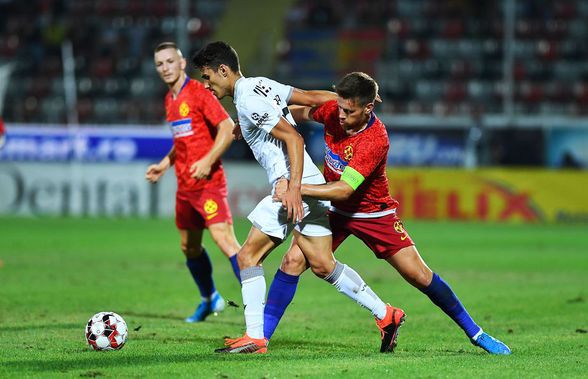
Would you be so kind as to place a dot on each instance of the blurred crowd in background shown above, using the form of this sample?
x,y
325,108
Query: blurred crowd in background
x,y
436,58
113,45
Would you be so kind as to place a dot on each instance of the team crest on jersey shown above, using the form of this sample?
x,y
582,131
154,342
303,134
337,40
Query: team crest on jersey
x,y
184,109
211,208
399,227
348,153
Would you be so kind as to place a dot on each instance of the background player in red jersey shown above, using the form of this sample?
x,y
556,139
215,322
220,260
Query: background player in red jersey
x,y
202,132
355,169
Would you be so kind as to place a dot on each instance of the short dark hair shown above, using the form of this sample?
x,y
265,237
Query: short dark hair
x,y
357,86
214,54
167,45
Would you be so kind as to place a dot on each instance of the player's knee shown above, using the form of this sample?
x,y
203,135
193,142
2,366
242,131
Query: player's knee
x,y
419,278
191,251
245,260
293,264
322,271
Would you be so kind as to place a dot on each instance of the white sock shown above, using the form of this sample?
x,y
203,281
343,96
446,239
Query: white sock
x,y
347,281
253,290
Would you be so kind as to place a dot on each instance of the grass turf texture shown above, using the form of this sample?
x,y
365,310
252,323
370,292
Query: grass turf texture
x,y
524,284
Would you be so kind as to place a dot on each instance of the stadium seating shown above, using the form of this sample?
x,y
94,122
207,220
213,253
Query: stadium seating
x,y
113,44
445,57
439,57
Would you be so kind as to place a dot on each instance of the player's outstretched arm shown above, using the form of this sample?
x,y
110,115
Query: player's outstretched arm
x,y
339,190
301,113
156,171
314,98
292,199
201,168
333,191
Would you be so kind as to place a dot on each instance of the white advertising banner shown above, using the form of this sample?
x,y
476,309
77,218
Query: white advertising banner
x,y
110,189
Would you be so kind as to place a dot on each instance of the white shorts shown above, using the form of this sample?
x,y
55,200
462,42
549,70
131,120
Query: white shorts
x,y
271,218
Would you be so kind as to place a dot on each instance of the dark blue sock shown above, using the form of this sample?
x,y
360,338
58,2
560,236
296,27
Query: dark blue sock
x,y
441,294
235,266
201,270
280,295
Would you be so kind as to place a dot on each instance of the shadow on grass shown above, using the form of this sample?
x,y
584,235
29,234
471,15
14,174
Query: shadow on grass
x,y
98,361
48,326
91,361
282,350
211,318
152,315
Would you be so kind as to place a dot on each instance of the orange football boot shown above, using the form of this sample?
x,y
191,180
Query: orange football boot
x,y
244,345
389,326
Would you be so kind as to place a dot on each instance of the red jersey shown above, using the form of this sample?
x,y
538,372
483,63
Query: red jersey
x,y
193,117
366,152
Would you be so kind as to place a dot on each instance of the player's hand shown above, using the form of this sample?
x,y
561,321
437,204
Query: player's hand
x,y
201,169
280,189
292,202
237,134
155,172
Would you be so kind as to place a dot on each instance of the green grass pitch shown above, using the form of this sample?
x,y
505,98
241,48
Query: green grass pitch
x,y
525,284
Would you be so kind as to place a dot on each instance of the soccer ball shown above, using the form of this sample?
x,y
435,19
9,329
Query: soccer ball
x,y
106,331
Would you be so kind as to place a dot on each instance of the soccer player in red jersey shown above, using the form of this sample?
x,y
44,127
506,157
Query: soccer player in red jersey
x,y
269,130
355,170
202,132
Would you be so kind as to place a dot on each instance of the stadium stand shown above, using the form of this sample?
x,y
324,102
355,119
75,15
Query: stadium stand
x,y
113,43
431,57
445,57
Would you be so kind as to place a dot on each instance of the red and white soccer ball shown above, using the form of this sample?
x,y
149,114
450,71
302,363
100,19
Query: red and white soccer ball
x,y
106,331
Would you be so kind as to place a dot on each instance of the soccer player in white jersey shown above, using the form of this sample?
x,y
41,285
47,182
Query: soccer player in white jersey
x,y
268,128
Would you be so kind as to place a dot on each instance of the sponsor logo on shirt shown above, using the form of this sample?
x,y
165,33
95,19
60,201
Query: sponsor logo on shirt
x,y
184,109
181,128
259,120
334,161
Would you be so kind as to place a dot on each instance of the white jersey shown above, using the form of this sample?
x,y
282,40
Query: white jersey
x,y
260,103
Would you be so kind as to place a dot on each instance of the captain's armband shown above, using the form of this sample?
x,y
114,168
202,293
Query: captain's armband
x,y
352,177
